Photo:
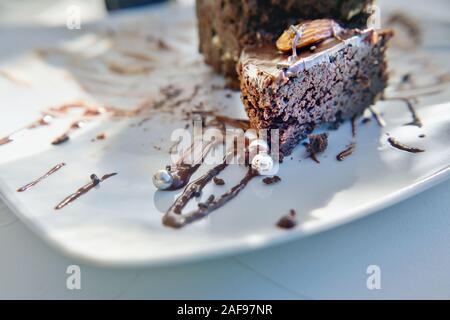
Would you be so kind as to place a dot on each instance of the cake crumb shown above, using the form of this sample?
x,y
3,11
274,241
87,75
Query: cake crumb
x,y
271,180
317,143
289,221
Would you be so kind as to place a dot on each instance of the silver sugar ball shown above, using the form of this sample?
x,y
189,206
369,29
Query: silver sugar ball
x,y
262,163
162,179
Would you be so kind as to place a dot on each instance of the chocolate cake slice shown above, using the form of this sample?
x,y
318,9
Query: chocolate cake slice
x,y
227,26
327,82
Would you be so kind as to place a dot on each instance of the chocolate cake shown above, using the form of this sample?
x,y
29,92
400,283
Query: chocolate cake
x,y
330,81
227,26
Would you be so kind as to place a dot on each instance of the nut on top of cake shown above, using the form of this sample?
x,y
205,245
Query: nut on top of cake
x,y
227,26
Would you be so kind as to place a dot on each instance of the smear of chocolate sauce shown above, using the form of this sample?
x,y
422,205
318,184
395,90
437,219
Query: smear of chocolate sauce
x,y
396,144
232,122
181,174
351,147
347,152
66,135
218,182
416,121
271,180
61,139
378,117
44,120
83,190
35,182
288,221
353,123
5,140
173,217
365,120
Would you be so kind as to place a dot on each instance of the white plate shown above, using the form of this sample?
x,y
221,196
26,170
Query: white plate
x,y
120,222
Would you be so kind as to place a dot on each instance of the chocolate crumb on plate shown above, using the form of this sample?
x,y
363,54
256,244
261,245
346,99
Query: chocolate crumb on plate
x,y
289,221
61,139
317,144
271,180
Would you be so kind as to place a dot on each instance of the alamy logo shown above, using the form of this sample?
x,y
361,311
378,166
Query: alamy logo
x,y
73,21
374,279
73,281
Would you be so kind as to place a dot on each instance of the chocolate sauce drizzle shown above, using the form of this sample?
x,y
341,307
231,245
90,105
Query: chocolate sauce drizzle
x,y
416,121
44,120
173,217
378,117
35,182
396,144
271,180
83,190
350,147
66,135
347,152
183,172
236,123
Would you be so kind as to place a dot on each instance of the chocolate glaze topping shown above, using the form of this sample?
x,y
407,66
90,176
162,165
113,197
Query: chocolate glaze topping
x,y
83,190
270,61
35,182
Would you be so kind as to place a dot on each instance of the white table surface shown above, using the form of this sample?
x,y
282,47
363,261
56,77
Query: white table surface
x,y
410,242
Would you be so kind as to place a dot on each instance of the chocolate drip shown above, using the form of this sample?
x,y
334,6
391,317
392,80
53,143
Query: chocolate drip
x,y
236,123
44,120
194,188
181,174
173,217
377,116
33,183
66,135
347,152
416,121
271,180
83,190
5,140
396,144
353,126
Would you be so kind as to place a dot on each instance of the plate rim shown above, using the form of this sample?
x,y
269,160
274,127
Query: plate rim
x,y
235,247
